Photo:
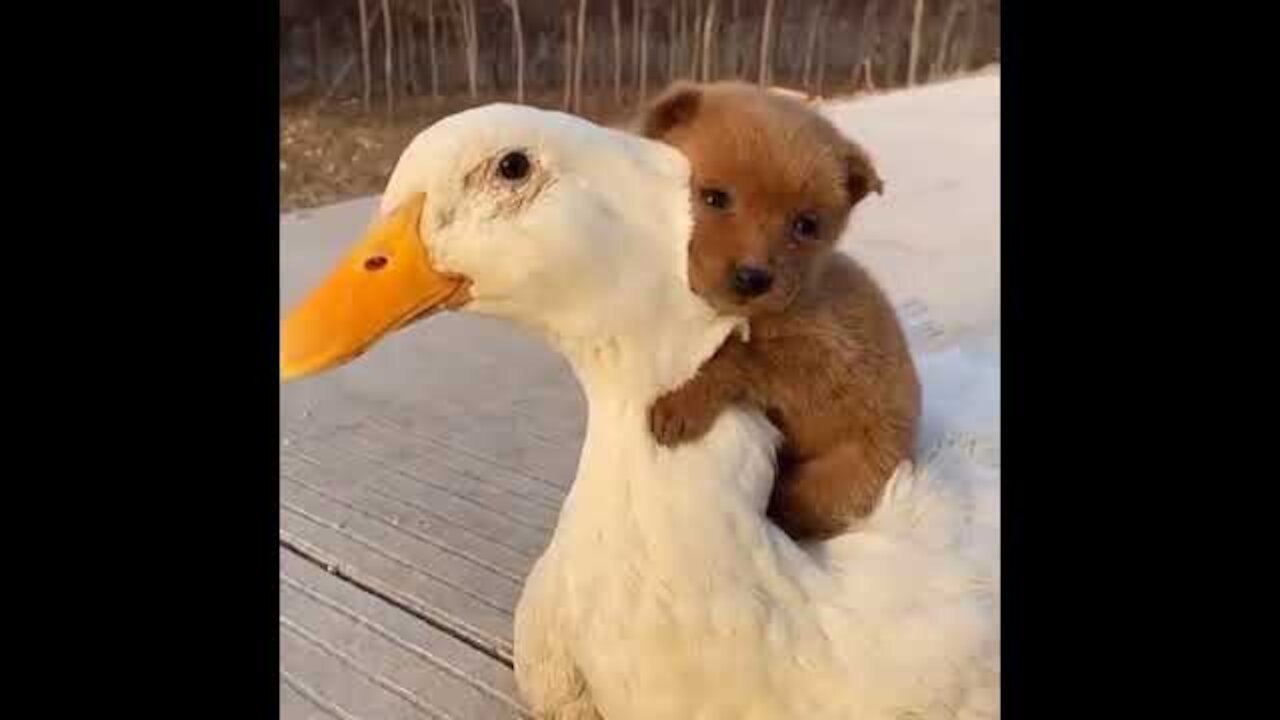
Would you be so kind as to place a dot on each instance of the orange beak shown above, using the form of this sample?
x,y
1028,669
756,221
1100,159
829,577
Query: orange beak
x,y
385,282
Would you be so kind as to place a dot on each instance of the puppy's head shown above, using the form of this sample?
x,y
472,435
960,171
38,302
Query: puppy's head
x,y
773,181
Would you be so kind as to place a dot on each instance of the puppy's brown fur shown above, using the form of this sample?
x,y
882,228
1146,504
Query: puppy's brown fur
x,y
774,185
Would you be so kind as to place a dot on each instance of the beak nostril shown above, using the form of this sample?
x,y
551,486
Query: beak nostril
x,y
375,263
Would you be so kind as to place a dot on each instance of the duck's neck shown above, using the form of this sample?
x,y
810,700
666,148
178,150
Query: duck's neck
x,y
652,354
625,479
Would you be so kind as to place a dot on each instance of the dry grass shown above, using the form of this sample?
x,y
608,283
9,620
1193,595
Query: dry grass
x,y
338,152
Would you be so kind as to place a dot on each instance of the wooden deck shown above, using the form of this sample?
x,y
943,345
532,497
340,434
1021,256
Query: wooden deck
x,y
418,485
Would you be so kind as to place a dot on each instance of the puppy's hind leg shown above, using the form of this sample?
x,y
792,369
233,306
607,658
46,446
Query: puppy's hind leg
x,y
820,497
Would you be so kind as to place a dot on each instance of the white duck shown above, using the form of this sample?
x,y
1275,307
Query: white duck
x,y
664,591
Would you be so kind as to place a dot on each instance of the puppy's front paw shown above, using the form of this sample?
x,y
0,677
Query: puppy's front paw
x,y
674,419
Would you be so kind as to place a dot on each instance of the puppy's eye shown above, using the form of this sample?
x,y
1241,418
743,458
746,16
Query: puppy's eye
x,y
514,166
805,227
716,198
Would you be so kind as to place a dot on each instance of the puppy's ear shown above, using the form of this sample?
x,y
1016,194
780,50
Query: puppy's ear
x,y
861,178
675,107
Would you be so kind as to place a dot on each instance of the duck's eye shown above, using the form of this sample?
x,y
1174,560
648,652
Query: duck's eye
x,y
514,166
716,198
805,226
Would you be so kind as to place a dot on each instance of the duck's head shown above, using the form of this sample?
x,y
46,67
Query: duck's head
x,y
576,230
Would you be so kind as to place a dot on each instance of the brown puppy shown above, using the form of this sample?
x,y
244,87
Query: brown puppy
x,y
826,359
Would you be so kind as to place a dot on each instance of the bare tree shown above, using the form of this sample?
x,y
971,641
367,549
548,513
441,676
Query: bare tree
x,y
708,39
944,42
366,99
401,58
870,43
810,47
828,15
431,50
671,43
616,16
695,36
317,45
644,49
971,42
473,50
568,60
517,30
470,42
868,36
766,33
411,43
894,39
734,48
579,55
387,57
917,16
635,43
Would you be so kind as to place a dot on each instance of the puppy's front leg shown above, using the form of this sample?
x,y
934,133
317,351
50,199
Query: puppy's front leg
x,y
689,411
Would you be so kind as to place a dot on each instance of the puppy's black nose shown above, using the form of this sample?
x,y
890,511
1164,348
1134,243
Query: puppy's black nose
x,y
751,281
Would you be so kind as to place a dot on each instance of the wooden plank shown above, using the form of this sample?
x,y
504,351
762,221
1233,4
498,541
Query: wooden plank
x,y
349,649
526,497
393,573
295,706
446,534
414,551
323,466
364,449
516,478
337,683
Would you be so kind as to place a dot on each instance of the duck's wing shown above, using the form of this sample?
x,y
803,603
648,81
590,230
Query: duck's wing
x,y
961,386
949,500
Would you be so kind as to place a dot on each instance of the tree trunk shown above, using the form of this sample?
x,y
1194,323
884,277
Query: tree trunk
x,y
695,36
811,46
366,96
402,57
467,20
892,73
708,39
917,17
317,46
616,16
940,59
644,52
411,40
822,51
635,43
568,60
766,34
579,56
971,42
736,42
866,41
672,42
388,58
677,7
517,30
473,49
431,50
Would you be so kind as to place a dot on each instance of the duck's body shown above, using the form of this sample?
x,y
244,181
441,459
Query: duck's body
x,y
665,592
676,598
